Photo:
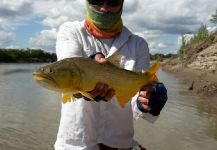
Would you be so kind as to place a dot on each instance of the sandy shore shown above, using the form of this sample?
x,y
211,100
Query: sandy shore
x,y
199,82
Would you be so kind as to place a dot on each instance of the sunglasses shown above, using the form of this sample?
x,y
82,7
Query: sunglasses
x,y
112,3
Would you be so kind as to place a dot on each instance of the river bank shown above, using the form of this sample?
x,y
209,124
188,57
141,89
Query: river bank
x,y
200,82
197,67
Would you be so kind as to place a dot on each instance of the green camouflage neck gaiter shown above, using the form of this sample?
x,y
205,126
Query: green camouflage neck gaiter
x,y
103,20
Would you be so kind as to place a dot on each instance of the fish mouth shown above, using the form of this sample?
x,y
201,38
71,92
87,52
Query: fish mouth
x,y
44,79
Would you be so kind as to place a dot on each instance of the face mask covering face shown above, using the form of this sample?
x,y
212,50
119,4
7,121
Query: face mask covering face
x,y
103,20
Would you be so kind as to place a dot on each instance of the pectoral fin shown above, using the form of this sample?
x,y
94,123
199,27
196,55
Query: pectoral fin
x,y
115,59
66,97
86,95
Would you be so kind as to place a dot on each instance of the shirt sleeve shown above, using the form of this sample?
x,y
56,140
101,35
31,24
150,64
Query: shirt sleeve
x,y
67,44
142,63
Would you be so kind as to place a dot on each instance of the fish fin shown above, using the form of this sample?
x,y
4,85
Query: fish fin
x,y
122,100
115,59
72,98
86,95
153,69
66,97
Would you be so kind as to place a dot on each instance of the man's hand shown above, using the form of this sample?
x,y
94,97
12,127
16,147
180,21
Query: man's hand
x,y
144,96
152,98
100,58
101,91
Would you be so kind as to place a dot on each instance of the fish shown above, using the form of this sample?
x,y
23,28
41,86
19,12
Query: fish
x,y
79,75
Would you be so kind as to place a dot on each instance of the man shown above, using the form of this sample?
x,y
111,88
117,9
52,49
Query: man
x,y
104,125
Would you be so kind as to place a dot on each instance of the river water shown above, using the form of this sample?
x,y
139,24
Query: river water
x,y
29,115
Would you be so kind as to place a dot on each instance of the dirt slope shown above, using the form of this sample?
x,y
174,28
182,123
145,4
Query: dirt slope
x,y
199,69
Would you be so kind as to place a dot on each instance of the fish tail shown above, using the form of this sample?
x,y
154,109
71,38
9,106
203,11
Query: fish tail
x,y
153,70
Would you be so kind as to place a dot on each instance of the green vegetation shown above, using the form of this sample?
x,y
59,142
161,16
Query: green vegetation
x,y
159,56
181,52
201,35
37,55
28,55
214,18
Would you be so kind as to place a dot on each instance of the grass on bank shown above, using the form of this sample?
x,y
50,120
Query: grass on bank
x,y
199,42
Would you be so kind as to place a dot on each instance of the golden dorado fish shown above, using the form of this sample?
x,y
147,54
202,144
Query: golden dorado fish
x,y
79,75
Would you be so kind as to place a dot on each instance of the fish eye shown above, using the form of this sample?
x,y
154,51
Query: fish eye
x,y
50,70
47,70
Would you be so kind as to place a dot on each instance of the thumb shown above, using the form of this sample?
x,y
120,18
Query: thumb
x,y
100,58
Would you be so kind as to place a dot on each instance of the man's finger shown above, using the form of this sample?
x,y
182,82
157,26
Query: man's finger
x,y
96,91
143,100
110,94
104,90
146,107
144,94
100,59
148,88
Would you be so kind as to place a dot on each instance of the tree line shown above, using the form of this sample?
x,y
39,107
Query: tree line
x,y
26,55
159,56
38,55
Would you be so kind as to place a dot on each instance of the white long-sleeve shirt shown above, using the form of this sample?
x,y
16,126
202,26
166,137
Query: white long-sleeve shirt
x,y
84,124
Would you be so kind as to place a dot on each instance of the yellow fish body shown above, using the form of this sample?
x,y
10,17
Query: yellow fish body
x,y
79,75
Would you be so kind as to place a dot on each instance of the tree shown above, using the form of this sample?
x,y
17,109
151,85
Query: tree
x,y
214,18
29,55
202,33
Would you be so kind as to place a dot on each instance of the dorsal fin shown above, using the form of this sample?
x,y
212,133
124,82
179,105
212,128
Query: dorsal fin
x,y
115,59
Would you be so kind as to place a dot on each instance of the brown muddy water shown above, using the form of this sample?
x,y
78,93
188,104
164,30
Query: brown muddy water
x,y
29,115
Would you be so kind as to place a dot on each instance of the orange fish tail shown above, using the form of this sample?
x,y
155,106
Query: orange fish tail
x,y
153,70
